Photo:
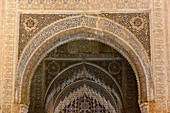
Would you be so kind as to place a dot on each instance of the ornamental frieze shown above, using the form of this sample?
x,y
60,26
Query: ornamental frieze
x,y
107,5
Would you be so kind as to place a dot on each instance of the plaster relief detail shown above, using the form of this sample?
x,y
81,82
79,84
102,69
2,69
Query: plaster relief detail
x,y
30,24
159,55
82,4
27,55
137,23
8,67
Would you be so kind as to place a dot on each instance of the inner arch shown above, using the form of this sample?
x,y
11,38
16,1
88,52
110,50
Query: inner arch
x,y
84,52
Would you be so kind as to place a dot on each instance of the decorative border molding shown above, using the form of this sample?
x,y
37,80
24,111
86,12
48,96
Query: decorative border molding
x,y
9,56
82,4
159,54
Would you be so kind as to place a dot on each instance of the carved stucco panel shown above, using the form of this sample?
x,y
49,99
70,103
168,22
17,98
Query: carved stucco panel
x,y
8,67
159,55
107,5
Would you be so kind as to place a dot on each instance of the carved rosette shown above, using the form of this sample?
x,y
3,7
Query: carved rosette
x,y
137,23
30,24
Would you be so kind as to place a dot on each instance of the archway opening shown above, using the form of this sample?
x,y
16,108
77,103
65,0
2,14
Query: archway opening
x,y
84,27
84,76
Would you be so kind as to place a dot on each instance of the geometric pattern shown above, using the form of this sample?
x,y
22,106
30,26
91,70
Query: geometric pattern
x,y
84,100
137,23
121,18
30,24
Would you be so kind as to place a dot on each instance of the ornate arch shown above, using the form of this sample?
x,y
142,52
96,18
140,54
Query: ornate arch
x,y
94,65
84,75
97,28
88,90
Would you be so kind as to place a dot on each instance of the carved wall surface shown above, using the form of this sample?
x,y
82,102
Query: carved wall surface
x,y
88,21
157,17
137,23
8,39
85,100
159,54
83,4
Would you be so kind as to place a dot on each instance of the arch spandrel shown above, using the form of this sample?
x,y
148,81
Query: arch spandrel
x,y
113,33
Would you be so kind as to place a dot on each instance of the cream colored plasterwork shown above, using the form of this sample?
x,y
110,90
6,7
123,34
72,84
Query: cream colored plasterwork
x,y
167,28
9,35
8,68
1,48
105,5
79,93
159,55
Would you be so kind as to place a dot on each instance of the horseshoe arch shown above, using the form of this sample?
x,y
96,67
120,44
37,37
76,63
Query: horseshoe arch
x,y
65,30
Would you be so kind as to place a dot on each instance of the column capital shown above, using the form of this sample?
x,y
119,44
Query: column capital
x,y
20,108
148,107
144,107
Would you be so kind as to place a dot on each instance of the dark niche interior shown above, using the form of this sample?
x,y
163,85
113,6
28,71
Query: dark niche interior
x,y
84,76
